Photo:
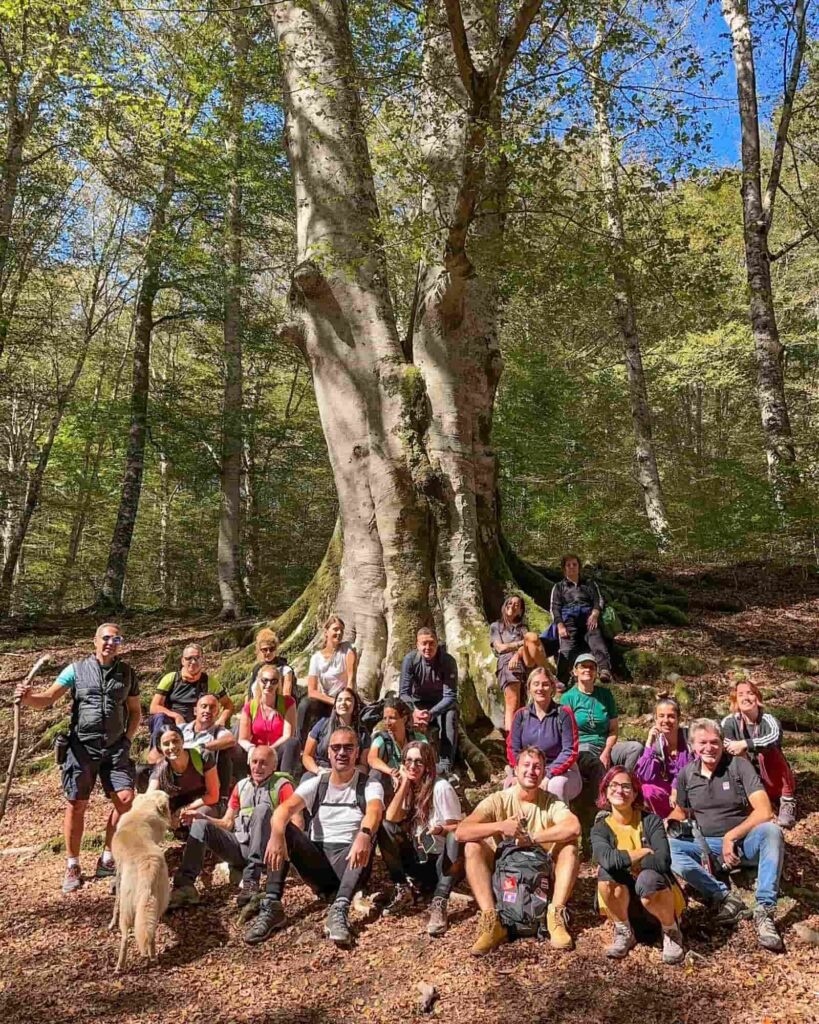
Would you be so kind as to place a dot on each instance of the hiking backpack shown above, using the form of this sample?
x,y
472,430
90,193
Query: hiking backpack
x,y
522,883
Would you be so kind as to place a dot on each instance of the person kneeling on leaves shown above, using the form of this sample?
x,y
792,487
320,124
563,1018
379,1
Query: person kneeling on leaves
x,y
335,858
529,815
241,836
635,887
418,839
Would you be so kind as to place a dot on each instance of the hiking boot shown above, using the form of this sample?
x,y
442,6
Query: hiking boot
x,y
183,896
402,899
250,888
437,923
673,952
269,919
73,878
622,942
104,870
731,911
336,925
491,933
766,931
787,812
557,921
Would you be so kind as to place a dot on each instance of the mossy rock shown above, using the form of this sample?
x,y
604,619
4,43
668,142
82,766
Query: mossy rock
x,y
795,719
53,731
634,700
797,663
801,685
670,613
40,764
812,703
683,696
171,661
650,666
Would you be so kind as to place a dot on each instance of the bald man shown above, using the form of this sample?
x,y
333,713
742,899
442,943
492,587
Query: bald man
x,y
105,715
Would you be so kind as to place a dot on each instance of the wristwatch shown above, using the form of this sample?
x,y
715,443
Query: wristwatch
x,y
366,831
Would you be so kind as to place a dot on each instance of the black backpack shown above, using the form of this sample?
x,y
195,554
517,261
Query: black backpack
x,y
522,883
324,784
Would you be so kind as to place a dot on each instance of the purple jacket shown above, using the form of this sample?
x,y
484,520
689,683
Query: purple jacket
x,y
657,768
555,735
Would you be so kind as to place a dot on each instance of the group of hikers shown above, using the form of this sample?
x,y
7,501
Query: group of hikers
x,y
323,782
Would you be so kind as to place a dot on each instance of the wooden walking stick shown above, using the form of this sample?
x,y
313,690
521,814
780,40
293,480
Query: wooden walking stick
x,y
15,745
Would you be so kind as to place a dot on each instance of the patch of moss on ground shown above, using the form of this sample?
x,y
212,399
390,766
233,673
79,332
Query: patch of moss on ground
x,y
797,663
650,666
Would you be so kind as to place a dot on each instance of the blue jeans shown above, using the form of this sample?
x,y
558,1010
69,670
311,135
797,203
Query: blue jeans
x,y
763,848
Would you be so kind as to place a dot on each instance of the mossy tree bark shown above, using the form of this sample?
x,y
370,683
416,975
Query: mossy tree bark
x,y
407,421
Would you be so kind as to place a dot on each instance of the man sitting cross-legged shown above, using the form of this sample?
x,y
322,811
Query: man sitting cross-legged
x,y
241,836
529,814
335,857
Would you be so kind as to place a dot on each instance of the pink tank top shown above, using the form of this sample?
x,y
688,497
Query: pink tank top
x,y
264,732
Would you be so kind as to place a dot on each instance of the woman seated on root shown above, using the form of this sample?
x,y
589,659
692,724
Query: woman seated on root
x,y
666,754
389,739
420,846
267,646
750,732
189,777
550,727
518,651
345,713
331,669
269,720
635,887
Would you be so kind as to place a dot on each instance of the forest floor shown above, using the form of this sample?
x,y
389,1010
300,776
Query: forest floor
x,y
58,957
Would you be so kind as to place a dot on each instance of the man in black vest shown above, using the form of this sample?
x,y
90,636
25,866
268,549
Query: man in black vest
x,y
105,714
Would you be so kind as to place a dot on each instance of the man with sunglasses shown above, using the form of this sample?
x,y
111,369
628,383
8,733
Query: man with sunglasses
x,y
105,715
334,858
177,693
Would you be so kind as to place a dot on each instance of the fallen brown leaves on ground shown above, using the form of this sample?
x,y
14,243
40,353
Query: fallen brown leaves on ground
x,y
58,956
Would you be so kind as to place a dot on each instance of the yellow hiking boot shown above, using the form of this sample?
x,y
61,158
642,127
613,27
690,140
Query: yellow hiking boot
x,y
556,921
491,933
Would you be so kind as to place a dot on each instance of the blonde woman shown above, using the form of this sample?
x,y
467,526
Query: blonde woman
x,y
332,668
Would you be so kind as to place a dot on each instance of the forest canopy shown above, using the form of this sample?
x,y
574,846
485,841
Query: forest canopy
x,y
560,197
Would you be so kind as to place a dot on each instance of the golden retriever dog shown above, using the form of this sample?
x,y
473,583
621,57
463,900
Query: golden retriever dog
x,y
143,887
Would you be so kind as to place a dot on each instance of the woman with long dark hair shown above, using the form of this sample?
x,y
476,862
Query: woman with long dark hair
x,y
419,844
189,777
635,887
389,738
666,754
345,713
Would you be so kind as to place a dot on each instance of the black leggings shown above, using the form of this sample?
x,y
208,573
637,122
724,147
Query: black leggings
x,y
322,866
310,711
439,873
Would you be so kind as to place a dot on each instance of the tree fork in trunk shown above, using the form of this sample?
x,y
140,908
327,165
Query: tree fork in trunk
x,y
110,595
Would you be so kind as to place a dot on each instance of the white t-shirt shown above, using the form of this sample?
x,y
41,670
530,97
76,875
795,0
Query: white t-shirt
x,y
331,672
339,818
445,807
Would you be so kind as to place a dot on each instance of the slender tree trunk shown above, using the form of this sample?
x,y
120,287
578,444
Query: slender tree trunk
x,y
757,213
111,592
648,474
230,480
164,529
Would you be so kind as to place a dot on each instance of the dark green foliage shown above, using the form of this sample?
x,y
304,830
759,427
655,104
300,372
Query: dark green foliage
x,y
794,663
795,719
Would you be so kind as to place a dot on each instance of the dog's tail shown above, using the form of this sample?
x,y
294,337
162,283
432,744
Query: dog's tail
x,y
147,911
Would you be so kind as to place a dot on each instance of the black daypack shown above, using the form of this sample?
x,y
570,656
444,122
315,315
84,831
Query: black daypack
x,y
522,883
324,784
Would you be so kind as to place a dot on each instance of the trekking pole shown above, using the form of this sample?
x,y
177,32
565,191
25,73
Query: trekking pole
x,y
15,745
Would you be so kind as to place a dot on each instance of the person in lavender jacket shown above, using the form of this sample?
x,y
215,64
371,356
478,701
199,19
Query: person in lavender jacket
x,y
665,755
550,727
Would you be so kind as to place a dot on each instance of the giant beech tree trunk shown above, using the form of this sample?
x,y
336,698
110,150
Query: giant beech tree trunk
x,y
230,477
407,424
757,211
625,310
110,594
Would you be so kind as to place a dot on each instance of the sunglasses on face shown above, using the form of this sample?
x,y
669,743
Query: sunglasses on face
x,y
338,748
624,787
270,682
115,640
192,657
414,761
